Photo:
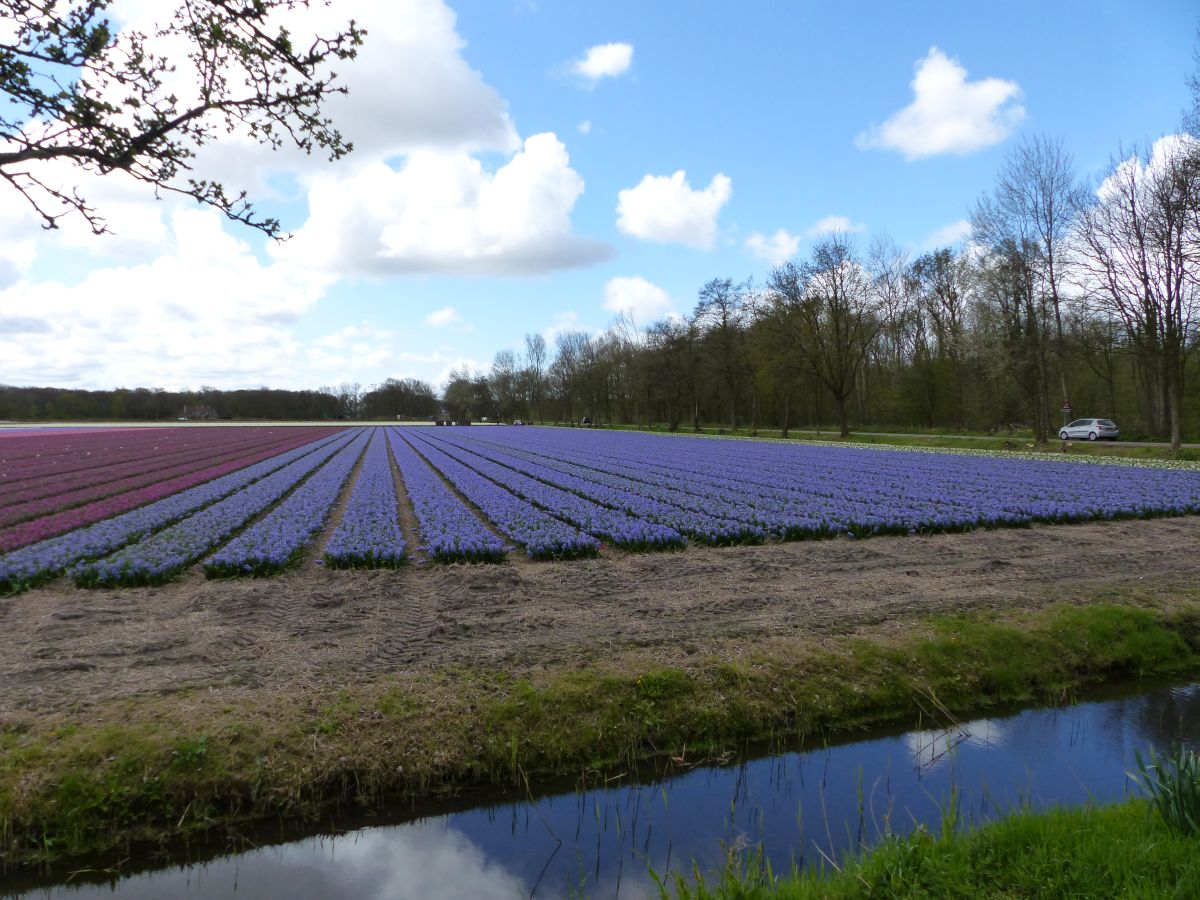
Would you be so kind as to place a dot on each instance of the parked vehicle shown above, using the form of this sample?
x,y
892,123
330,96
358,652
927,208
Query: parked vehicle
x,y
1092,429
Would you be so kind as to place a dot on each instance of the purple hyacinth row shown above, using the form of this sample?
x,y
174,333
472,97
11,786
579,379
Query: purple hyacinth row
x,y
621,528
816,498
449,530
369,534
870,492
726,491
640,500
800,490
54,524
42,498
542,535
33,498
787,502
61,451
718,514
773,512
37,563
161,556
277,540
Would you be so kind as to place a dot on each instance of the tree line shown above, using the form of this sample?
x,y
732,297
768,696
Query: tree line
x,y
1062,294
407,398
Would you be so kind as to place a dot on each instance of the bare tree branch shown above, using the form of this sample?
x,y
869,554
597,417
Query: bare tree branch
x,y
82,92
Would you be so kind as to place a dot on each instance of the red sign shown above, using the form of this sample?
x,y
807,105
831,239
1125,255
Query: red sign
x,y
1066,407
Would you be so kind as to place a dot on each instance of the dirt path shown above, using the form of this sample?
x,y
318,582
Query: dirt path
x,y
67,648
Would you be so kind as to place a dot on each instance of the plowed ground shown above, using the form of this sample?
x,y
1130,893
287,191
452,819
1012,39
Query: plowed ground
x,y
65,649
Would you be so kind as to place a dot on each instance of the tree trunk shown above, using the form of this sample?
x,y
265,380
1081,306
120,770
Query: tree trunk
x,y
1176,415
783,431
839,402
1175,407
960,396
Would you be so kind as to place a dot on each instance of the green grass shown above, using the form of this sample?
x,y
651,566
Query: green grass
x,y
160,768
1106,852
1172,783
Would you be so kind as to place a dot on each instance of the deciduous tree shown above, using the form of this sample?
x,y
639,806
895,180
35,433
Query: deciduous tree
x,y
78,89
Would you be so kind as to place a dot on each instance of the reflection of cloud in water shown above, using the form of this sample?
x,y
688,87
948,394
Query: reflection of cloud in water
x,y
634,885
421,860
930,748
414,861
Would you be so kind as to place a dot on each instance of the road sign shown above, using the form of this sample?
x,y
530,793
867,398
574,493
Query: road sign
x,y
1066,407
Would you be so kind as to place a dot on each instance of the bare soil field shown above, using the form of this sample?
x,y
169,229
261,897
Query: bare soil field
x,y
67,648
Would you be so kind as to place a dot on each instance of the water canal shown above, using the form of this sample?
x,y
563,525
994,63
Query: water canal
x,y
804,806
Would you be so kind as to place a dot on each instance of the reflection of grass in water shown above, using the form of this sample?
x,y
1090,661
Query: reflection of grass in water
x,y
1112,851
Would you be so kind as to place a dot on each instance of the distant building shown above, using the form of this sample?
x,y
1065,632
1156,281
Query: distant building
x,y
198,412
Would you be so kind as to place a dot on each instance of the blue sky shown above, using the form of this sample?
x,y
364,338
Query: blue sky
x,y
485,199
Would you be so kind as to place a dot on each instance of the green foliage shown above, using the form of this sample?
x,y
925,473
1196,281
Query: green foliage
x,y
189,755
1173,785
1077,853
662,684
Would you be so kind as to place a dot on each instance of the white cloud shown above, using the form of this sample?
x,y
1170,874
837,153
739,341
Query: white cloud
x,y
776,249
448,317
408,89
948,114
444,317
1140,170
636,297
563,321
413,105
443,212
584,127
352,337
204,311
18,243
450,364
175,299
666,209
835,225
604,61
947,235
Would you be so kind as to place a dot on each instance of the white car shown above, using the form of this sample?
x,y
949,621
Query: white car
x,y
1092,429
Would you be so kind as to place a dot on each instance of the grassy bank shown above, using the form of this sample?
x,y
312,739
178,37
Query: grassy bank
x,y
1113,851
224,759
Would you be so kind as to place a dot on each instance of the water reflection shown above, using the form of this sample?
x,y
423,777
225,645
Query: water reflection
x,y
805,807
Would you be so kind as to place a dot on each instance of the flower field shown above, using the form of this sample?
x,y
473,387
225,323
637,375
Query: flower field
x,y
125,507
53,483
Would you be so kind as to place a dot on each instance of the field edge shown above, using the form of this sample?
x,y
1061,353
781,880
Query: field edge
x,y
164,769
